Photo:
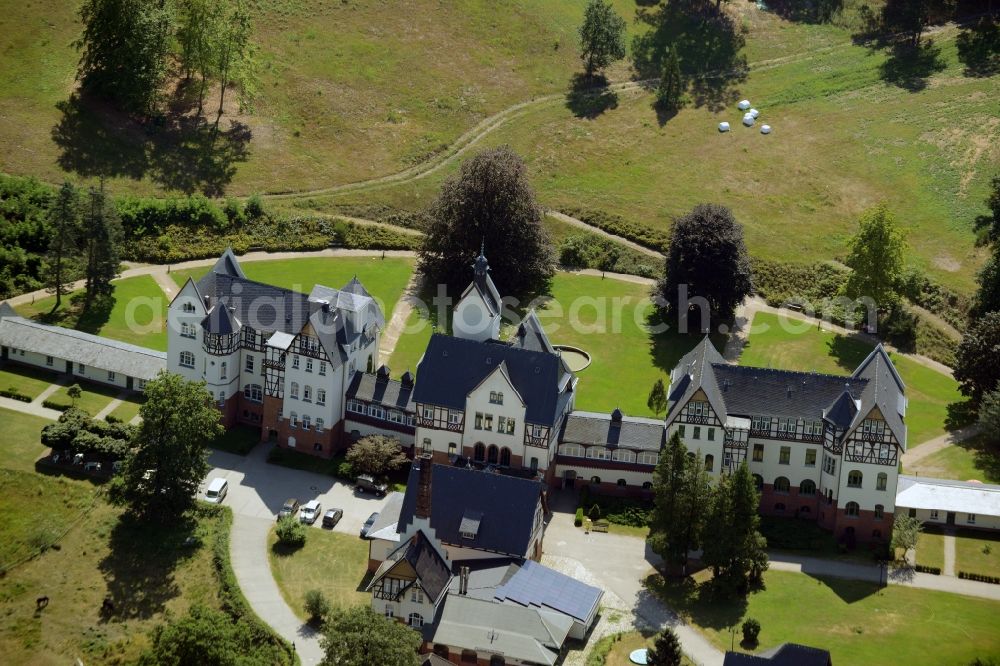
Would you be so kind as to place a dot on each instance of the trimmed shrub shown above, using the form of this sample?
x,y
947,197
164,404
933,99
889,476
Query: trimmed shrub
x,y
928,570
317,606
58,406
14,394
345,470
578,520
981,578
751,630
291,533
595,512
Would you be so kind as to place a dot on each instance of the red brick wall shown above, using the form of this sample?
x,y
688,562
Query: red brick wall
x,y
864,525
331,440
793,501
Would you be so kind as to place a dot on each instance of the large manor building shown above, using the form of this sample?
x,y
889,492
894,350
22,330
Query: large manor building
x,y
305,369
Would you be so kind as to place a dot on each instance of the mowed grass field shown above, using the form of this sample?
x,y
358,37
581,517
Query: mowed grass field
x,y
977,458
849,619
331,562
385,279
137,315
348,90
778,342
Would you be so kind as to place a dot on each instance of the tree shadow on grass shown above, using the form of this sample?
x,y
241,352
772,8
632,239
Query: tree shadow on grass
x,y
986,456
849,350
960,414
811,11
708,43
590,96
178,151
909,67
78,315
139,569
699,603
286,549
979,47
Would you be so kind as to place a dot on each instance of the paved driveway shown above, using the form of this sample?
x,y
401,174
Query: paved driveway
x,y
258,489
256,492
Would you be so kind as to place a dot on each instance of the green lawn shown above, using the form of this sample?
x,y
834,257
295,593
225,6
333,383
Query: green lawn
x,y
976,458
239,440
411,344
899,625
332,562
136,313
93,399
794,345
614,650
385,279
977,552
26,380
21,444
127,410
930,548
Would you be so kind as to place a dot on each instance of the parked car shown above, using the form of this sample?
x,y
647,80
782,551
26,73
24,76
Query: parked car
x,y
367,484
217,490
332,517
289,508
310,511
367,527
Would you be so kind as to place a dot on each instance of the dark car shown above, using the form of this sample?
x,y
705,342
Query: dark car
x,y
332,517
289,508
367,527
367,484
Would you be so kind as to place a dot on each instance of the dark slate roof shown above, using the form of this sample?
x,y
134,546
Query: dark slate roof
x,y
507,505
452,367
220,320
690,374
427,563
746,391
261,306
531,335
629,432
6,310
334,332
535,585
381,390
786,654
842,412
885,390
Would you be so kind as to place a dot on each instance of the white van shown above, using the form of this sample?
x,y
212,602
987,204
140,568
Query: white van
x,y
216,491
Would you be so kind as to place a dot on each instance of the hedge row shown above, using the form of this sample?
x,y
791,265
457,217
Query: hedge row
x,y
14,394
586,250
655,239
58,406
378,212
235,604
982,578
929,570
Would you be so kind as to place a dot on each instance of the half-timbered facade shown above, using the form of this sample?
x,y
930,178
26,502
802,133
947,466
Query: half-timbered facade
x,y
820,447
274,358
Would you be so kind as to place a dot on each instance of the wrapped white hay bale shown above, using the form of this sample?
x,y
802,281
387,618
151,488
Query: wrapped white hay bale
x,y
744,105
748,120
754,113
765,129
723,127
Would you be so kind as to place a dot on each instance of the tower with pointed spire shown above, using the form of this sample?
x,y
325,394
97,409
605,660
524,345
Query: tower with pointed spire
x,y
477,314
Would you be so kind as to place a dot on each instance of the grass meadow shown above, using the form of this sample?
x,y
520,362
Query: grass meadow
x,y
147,573
898,625
976,458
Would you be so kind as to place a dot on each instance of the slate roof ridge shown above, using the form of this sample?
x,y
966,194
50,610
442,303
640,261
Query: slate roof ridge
x,y
974,485
751,369
606,416
83,335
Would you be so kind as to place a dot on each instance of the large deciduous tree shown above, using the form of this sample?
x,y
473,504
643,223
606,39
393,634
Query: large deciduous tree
x,y
909,18
602,36
376,455
707,259
989,415
905,532
989,224
236,54
169,458
988,295
490,204
199,26
125,49
876,258
977,360
359,636
64,222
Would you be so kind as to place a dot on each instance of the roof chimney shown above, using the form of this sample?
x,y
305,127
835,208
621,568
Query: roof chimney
x,y
423,509
463,580
208,302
